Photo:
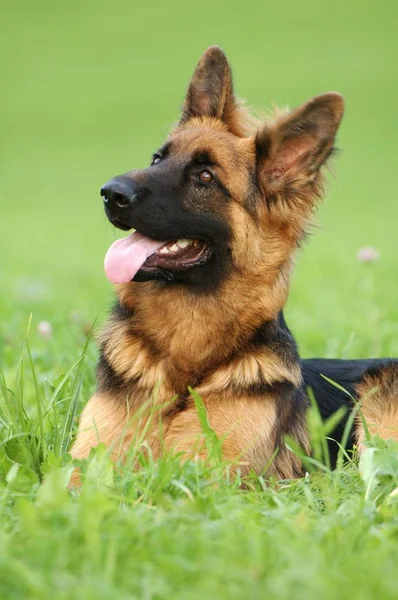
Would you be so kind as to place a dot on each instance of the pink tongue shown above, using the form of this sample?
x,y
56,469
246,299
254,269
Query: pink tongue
x,y
126,256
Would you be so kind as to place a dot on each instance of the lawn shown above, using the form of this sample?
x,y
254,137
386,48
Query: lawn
x,y
88,91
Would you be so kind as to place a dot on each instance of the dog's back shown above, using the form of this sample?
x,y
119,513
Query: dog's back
x,y
372,381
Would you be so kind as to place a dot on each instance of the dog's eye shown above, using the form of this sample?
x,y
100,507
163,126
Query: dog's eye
x,y
205,176
156,160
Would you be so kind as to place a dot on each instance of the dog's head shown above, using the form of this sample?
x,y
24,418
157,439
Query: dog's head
x,y
220,195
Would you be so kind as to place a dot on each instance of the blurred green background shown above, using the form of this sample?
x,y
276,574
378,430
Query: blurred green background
x,y
89,89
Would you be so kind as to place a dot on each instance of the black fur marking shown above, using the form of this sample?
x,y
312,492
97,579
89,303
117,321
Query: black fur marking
x,y
251,199
204,158
107,378
154,275
376,367
271,200
163,152
347,373
276,336
180,405
166,208
291,409
277,388
222,187
263,144
122,312
291,402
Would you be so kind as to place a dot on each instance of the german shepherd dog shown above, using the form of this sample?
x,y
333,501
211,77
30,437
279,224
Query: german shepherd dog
x,y
202,283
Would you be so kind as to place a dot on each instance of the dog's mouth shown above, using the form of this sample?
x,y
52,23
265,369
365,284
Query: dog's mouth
x,y
137,252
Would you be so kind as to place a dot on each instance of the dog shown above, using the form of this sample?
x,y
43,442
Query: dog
x,y
201,286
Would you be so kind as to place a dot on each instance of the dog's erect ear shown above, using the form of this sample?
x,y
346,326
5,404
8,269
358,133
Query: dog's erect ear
x,y
210,92
291,151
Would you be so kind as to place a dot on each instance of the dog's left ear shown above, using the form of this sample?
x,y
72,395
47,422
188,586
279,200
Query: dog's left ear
x,y
210,92
292,150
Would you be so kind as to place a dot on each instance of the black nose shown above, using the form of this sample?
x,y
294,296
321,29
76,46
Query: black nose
x,y
118,193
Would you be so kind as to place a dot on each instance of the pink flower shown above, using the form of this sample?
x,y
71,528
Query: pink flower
x,y
368,254
44,329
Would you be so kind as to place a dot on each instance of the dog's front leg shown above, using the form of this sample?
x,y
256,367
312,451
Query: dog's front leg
x,y
104,420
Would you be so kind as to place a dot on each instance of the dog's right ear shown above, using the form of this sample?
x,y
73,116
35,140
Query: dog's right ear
x,y
210,92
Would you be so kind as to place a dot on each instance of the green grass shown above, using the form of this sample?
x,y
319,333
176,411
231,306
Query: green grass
x,y
88,90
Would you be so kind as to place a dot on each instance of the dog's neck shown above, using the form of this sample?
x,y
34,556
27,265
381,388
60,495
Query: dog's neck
x,y
197,332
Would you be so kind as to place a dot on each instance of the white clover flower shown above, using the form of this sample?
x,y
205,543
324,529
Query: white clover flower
x,y
44,329
368,254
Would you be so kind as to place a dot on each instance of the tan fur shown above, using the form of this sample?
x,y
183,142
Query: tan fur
x,y
244,436
379,405
118,423
102,421
247,369
246,427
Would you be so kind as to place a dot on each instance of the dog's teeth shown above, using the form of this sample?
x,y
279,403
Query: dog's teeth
x,y
183,243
